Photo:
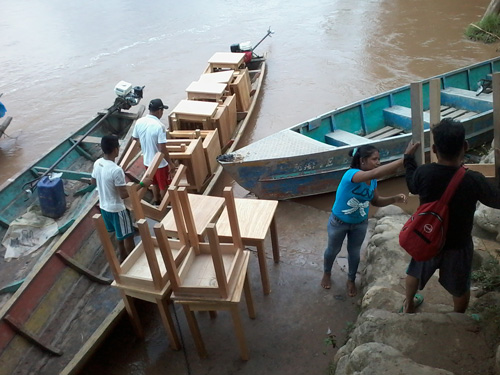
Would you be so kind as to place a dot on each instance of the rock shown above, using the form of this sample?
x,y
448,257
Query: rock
x,y
488,219
432,341
497,361
376,358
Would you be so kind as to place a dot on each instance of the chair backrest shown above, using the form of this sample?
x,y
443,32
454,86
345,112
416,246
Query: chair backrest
x,y
211,268
143,209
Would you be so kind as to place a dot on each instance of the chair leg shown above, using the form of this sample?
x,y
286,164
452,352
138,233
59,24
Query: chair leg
x,y
238,330
264,275
168,322
133,315
195,331
248,297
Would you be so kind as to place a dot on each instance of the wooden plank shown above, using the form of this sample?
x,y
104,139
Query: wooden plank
x,y
88,139
417,119
378,132
390,133
496,120
434,109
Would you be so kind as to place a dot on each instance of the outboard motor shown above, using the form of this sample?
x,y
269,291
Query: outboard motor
x,y
126,95
247,48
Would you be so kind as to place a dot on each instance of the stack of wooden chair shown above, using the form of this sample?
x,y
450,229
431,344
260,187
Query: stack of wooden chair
x,y
200,275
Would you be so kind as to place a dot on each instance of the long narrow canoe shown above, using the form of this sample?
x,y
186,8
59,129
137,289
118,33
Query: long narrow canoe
x,y
47,309
65,307
311,157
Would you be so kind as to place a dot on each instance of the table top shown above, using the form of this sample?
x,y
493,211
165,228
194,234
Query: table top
x,y
195,107
254,216
227,58
206,87
224,76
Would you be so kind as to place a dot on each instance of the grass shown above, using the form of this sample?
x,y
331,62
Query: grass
x,y
487,30
488,276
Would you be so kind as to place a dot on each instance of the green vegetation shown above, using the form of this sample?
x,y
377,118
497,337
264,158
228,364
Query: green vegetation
x,y
487,30
488,276
487,307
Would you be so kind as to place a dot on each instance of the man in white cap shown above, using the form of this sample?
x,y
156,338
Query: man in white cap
x,y
151,134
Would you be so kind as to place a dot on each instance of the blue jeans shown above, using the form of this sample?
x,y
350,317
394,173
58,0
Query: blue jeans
x,y
337,231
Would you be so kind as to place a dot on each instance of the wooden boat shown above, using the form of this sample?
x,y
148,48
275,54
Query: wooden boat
x,y
311,157
5,124
43,298
6,121
65,306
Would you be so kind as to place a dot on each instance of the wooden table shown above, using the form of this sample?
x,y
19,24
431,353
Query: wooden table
x,y
226,60
224,76
206,90
195,110
255,218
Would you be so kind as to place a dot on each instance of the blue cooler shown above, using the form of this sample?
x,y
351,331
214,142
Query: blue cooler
x,y
51,196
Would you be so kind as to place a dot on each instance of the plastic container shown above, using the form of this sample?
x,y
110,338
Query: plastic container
x,y
51,196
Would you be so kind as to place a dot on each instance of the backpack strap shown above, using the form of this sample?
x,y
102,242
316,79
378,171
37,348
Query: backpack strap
x,y
452,186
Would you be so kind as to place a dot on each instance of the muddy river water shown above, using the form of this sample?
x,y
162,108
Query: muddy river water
x,y
60,60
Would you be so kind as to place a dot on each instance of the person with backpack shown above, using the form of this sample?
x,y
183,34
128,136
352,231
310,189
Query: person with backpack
x,y
429,181
349,216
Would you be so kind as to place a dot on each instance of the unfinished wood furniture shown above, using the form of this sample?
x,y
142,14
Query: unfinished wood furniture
x,y
143,274
204,209
143,209
190,153
211,144
241,86
195,114
226,60
224,76
256,218
192,111
225,120
213,274
208,91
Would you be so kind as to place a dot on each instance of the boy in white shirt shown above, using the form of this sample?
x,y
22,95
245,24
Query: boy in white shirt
x,y
110,181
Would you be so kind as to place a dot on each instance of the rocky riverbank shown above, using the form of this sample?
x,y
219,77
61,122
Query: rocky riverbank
x,y
434,340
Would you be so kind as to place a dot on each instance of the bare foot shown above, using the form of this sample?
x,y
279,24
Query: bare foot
x,y
351,288
326,281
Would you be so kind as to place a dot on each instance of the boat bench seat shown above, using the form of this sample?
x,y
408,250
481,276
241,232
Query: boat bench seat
x,y
400,117
340,138
466,99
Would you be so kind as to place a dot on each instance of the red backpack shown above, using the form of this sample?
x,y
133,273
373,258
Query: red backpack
x,y
424,234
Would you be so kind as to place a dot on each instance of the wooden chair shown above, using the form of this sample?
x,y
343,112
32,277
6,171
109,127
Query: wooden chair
x,y
213,274
143,274
143,209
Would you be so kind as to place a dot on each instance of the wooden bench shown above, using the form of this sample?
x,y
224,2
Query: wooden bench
x,y
340,138
385,132
466,99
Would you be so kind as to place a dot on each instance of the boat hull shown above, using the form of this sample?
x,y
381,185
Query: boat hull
x,y
304,160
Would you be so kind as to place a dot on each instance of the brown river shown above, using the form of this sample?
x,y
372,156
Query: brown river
x,y
61,60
